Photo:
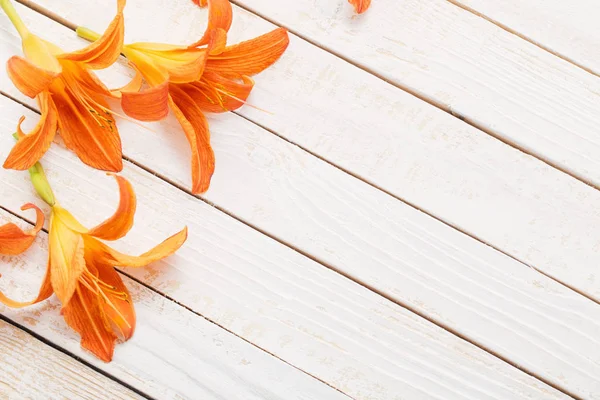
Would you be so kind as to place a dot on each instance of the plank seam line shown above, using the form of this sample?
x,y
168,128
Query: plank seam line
x,y
171,299
413,92
534,42
68,24
344,274
423,97
69,354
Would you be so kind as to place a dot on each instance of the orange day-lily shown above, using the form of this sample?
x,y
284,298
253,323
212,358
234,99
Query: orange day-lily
x,y
206,76
14,240
70,97
81,272
360,5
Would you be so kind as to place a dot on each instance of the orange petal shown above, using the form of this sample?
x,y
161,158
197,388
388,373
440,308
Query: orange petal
x,y
67,261
217,41
133,86
85,314
195,127
220,16
31,147
13,240
217,94
180,64
121,222
360,5
148,105
106,50
45,292
107,255
117,306
69,220
28,78
249,57
89,130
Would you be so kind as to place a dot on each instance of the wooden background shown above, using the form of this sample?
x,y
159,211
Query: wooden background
x,y
416,217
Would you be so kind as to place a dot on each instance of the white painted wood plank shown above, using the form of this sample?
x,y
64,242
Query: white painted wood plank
x,y
466,65
311,317
174,354
320,207
567,28
380,133
31,369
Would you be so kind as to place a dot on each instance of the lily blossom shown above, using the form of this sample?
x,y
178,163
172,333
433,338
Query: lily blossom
x,y
191,80
13,240
360,5
70,97
81,272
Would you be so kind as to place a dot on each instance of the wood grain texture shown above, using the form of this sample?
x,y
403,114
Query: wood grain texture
x,y
568,29
379,133
421,262
174,354
466,65
31,369
307,315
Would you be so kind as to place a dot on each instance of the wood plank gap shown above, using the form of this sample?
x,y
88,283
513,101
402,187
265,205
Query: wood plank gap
x,y
399,198
424,97
147,286
68,353
500,25
338,271
69,25
57,18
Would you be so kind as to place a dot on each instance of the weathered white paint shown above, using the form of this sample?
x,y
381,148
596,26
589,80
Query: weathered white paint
x,y
331,214
174,354
566,28
382,134
292,307
467,65
31,369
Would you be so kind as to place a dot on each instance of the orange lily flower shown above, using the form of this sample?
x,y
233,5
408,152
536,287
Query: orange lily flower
x,y
193,80
360,5
13,240
81,272
70,97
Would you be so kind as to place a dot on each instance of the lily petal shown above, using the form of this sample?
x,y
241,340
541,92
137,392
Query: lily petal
x,y
30,79
182,64
31,147
133,86
217,94
109,256
121,222
106,50
220,16
249,57
13,240
67,261
148,105
45,292
195,127
118,306
360,6
88,129
85,315
69,220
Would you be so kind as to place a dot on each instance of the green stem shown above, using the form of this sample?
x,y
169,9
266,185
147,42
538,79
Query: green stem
x,y
40,182
87,34
14,18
